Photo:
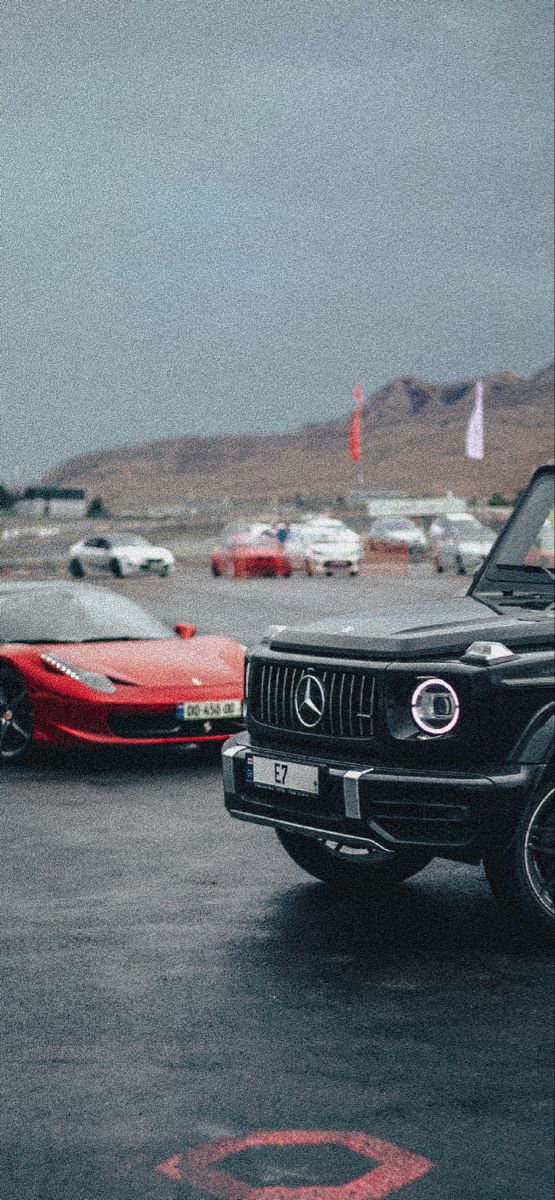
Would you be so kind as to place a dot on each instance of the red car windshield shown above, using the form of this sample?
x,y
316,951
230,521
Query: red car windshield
x,y
65,612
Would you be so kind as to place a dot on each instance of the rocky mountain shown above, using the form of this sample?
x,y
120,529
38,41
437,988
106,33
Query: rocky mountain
x,y
413,440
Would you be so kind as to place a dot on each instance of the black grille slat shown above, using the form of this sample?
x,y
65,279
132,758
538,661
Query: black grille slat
x,y
350,708
349,700
341,693
276,696
361,706
284,696
294,681
331,701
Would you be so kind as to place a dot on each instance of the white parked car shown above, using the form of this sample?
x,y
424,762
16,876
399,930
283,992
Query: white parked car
x,y
460,542
323,546
330,550
122,554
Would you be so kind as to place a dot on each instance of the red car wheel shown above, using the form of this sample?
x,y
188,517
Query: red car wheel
x,y
16,715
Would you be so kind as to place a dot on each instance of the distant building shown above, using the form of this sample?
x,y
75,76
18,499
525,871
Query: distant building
x,y
358,498
410,506
51,502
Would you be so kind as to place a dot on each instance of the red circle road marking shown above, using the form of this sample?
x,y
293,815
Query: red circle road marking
x,y
396,1168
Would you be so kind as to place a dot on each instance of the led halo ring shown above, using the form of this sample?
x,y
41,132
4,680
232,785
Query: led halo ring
x,y
415,703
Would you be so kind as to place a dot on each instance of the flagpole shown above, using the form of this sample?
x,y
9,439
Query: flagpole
x,y
356,430
474,443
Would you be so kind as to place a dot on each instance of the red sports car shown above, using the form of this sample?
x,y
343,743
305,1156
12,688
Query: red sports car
x,y
80,664
245,554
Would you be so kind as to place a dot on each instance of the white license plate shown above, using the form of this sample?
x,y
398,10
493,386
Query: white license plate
x,y
287,776
201,710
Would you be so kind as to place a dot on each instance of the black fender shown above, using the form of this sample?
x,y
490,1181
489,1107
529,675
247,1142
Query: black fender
x,y
536,742
533,755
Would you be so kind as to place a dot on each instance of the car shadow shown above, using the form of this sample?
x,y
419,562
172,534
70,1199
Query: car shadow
x,y
60,762
443,925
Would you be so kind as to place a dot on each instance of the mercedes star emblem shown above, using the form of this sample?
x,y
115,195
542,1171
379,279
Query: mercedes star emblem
x,y
310,701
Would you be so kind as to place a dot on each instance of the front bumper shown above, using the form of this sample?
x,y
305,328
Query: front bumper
x,y
447,814
333,566
66,720
149,566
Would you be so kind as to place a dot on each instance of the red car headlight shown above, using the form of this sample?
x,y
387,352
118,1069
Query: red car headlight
x,y
91,679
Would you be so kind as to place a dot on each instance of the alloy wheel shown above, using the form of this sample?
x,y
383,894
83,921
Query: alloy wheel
x,y
539,852
16,718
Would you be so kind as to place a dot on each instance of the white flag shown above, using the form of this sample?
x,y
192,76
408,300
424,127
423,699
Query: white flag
x,y
475,427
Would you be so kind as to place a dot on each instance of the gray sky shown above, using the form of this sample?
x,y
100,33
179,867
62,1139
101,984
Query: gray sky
x,y
218,214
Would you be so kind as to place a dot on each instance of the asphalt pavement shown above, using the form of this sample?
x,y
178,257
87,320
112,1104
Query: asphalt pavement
x,y
185,1014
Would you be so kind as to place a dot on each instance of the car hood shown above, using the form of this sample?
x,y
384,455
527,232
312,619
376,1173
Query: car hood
x,y
165,663
341,546
476,545
414,631
256,550
144,551
409,536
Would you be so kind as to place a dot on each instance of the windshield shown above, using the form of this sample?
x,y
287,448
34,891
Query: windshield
x,y
131,540
332,535
74,614
398,523
523,557
466,525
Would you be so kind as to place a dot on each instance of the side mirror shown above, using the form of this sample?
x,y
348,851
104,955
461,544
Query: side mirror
x,y
185,631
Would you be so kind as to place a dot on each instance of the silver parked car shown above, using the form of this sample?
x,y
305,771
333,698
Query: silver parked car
x,y
122,554
460,542
398,531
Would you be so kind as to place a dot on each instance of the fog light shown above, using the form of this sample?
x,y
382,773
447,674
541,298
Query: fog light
x,y
435,706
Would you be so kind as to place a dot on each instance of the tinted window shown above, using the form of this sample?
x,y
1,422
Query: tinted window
x,y
131,540
523,542
77,614
465,525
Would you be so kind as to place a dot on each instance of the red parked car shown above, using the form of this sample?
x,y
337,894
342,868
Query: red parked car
x,y
80,664
250,550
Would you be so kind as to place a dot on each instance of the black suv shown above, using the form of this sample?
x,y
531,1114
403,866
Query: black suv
x,y
376,742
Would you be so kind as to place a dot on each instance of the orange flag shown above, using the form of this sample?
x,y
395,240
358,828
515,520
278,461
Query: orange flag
x,y
356,423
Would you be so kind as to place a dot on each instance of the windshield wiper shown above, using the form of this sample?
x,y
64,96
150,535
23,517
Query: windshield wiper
x,y
514,599
524,600
114,638
528,568
40,641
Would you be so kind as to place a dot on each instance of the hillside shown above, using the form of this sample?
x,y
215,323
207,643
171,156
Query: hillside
x,y
413,439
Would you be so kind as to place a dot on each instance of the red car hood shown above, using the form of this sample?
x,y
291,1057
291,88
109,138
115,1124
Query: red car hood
x,y
259,551
212,661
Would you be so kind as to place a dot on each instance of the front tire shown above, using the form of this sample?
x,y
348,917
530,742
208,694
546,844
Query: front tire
x,y
350,868
16,716
522,874
76,568
116,568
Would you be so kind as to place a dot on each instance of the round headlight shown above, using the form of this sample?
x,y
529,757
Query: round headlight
x,y
435,706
